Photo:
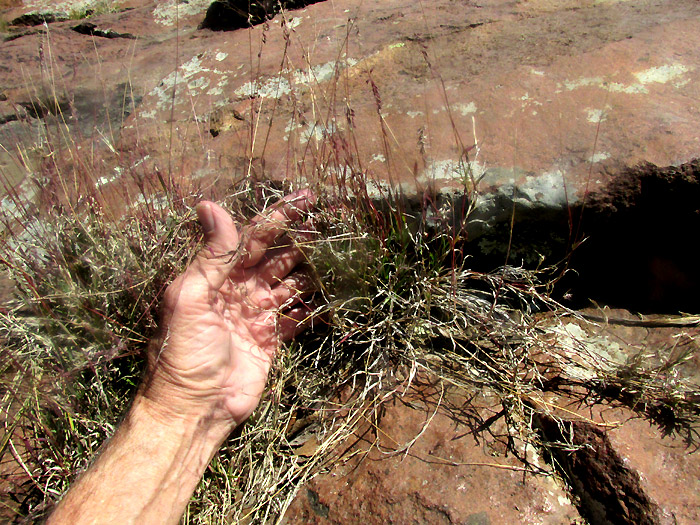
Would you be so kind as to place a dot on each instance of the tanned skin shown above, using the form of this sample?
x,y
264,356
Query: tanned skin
x,y
222,323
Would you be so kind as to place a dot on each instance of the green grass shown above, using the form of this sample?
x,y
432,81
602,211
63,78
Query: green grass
x,y
91,9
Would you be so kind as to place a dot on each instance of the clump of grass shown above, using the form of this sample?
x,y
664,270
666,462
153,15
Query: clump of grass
x,y
659,389
397,302
86,289
94,8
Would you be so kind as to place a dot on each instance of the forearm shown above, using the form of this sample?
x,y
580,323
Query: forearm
x,y
146,473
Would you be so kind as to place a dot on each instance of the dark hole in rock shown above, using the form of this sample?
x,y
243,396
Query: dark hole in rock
x,y
11,117
41,108
640,242
36,19
319,508
88,28
641,251
227,15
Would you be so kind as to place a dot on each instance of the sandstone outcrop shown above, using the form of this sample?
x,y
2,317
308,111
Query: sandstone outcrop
x,y
545,111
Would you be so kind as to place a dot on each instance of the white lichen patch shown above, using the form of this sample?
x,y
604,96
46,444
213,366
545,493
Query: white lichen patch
x,y
277,86
631,89
72,7
654,75
570,85
26,240
414,114
167,12
378,157
220,56
599,157
661,74
198,83
322,72
548,189
375,189
191,79
448,172
273,87
104,180
318,132
219,88
594,116
563,501
292,125
14,208
465,109
599,82
294,22
594,353
158,201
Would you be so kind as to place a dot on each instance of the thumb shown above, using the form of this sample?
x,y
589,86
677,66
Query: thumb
x,y
221,239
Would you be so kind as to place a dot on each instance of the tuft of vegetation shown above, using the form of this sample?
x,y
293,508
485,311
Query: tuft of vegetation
x,y
84,10
396,303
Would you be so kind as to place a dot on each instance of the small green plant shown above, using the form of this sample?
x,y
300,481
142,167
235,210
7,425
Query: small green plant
x,y
92,8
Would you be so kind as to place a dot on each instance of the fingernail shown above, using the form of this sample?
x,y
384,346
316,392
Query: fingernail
x,y
206,217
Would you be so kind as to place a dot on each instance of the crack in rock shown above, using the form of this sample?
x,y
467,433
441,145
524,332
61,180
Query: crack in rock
x,y
608,491
87,28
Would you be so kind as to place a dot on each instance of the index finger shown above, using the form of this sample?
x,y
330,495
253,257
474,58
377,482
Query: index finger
x,y
266,227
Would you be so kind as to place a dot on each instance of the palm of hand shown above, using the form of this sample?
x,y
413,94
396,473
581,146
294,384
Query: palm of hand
x,y
222,322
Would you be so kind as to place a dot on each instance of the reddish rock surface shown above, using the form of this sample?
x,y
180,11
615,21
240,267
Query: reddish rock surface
x,y
551,92
450,474
533,103
654,462
627,469
669,475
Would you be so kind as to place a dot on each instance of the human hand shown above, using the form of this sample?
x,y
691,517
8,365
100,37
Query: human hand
x,y
225,316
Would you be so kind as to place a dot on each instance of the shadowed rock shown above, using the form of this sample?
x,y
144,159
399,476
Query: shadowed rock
x,y
87,28
228,15
36,19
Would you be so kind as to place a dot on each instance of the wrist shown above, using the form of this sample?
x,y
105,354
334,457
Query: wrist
x,y
198,428
171,400
153,462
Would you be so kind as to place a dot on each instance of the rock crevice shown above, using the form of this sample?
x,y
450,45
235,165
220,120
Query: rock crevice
x,y
606,490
